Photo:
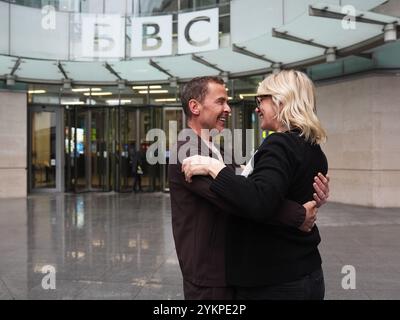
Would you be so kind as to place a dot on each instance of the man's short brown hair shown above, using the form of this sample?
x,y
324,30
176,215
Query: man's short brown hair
x,y
197,89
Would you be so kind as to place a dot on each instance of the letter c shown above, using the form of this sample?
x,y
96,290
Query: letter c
x,y
187,29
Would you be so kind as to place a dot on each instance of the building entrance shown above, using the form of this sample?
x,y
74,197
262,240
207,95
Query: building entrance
x,y
134,124
97,148
45,160
88,149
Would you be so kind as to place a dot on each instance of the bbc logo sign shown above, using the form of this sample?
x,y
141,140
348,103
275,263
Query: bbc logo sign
x,y
103,36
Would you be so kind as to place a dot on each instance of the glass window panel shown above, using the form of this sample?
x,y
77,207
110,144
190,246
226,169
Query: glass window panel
x,y
246,88
316,28
280,50
88,71
164,94
130,96
201,4
185,67
357,64
225,24
46,94
92,6
295,8
116,6
138,70
69,5
232,61
4,30
36,69
363,4
252,18
187,4
388,55
91,95
326,70
31,39
29,3
6,64
153,7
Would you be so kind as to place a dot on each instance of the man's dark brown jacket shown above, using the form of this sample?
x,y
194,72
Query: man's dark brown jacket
x,y
199,220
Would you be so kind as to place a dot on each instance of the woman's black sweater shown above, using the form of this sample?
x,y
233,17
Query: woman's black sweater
x,y
258,254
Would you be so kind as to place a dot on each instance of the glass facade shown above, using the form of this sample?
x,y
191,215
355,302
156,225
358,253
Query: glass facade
x,y
124,7
57,30
107,108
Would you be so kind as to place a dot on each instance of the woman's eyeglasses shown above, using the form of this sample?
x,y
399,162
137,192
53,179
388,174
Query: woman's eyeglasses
x,y
260,98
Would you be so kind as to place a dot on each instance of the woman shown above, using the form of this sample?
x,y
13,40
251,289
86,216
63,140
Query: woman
x,y
264,261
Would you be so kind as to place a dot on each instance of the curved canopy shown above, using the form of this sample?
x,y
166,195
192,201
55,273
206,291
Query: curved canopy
x,y
315,33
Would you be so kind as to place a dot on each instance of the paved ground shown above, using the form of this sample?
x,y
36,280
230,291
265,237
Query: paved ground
x,y
120,246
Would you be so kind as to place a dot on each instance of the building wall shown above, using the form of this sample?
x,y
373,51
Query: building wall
x,y
13,144
363,149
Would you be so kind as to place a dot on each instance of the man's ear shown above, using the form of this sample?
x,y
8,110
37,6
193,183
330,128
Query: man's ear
x,y
194,107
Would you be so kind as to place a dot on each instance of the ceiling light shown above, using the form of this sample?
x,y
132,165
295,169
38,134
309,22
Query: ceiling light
x,y
98,94
390,32
166,100
330,55
36,91
245,95
153,91
86,89
116,101
72,103
146,87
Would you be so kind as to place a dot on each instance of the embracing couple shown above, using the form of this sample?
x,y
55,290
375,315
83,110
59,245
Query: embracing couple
x,y
251,235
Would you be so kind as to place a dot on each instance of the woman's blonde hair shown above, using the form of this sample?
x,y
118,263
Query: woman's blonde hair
x,y
293,93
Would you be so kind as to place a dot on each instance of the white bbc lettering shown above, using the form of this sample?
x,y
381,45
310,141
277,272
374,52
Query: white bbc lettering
x,y
198,31
151,36
102,36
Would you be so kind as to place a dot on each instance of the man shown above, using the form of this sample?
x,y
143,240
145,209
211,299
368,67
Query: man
x,y
199,218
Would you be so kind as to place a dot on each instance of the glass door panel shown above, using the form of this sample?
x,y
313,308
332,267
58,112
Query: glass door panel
x,y
87,149
43,150
129,143
98,154
79,136
145,124
170,115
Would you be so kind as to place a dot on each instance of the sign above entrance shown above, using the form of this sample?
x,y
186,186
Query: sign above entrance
x,y
101,36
